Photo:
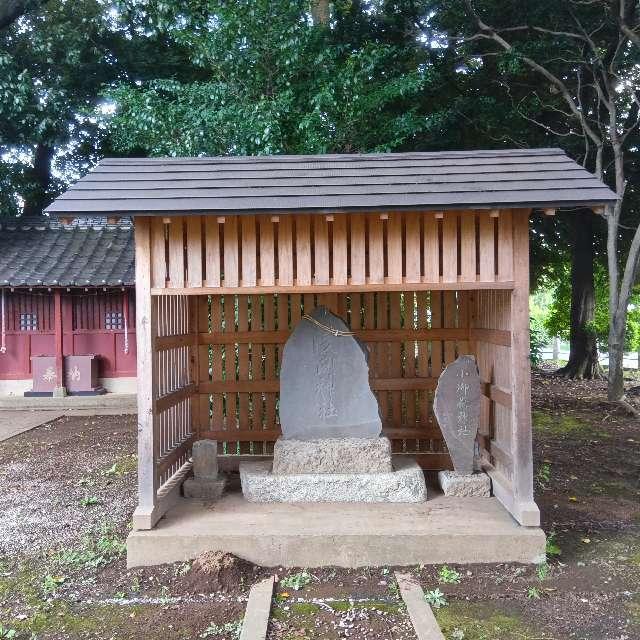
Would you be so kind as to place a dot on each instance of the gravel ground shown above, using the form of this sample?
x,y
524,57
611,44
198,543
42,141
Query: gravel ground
x,y
60,483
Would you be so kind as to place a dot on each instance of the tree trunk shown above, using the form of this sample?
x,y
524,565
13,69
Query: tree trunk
x,y
617,330
320,11
583,347
37,197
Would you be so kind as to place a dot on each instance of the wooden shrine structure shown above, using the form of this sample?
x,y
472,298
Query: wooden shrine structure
x,y
424,254
66,290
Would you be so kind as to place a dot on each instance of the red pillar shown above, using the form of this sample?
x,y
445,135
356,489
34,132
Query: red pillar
x,y
58,337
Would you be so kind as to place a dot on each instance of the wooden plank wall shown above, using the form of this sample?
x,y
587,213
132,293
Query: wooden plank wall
x,y
411,335
491,310
305,253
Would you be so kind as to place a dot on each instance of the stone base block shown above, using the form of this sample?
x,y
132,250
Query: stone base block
x,y
204,489
404,484
332,455
476,485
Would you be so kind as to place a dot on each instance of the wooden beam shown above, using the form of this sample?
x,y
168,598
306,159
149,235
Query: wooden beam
x,y
58,342
524,509
332,288
145,515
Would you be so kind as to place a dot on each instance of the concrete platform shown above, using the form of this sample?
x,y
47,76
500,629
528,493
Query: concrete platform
x,y
441,530
120,403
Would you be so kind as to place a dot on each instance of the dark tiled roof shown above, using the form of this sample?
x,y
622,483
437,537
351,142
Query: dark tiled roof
x,y
84,253
334,183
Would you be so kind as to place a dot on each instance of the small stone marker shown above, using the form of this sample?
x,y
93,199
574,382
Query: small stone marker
x,y
206,484
424,622
457,408
324,382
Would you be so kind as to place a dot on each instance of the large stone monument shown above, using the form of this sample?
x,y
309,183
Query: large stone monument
x,y
456,405
330,449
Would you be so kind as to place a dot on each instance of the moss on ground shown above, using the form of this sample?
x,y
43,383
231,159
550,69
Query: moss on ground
x,y
482,621
546,423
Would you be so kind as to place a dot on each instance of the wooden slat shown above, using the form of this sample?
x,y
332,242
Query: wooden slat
x,y
339,257
358,249
270,365
449,320
337,289
176,252
321,250
267,252
505,245
376,250
450,248
468,246
212,251
436,323
431,249
243,369
217,372
487,242
413,266
175,397
303,251
204,420
285,252
394,248
273,434
249,257
231,275
161,343
194,251
158,254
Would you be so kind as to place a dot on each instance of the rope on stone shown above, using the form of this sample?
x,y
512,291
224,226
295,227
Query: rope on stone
x,y
324,327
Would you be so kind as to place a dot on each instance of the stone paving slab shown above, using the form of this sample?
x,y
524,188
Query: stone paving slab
x,y
256,617
13,423
424,622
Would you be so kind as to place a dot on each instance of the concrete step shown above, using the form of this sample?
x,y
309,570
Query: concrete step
x,y
121,402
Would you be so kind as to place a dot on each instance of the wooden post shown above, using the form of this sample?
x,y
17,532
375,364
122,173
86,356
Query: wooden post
x,y
60,389
145,515
524,509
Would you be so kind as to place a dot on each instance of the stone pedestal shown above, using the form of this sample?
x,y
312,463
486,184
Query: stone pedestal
x,y
459,485
405,483
206,483
332,455
204,489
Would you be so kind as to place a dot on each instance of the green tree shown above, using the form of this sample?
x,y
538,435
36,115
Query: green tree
x,y
274,82
55,60
585,57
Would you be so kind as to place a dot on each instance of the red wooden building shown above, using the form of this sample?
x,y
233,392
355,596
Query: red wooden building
x,y
66,290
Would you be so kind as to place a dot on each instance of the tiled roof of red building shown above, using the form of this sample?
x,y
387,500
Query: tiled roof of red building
x,y
89,252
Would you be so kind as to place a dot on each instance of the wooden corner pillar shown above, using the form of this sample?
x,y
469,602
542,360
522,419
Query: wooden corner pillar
x,y
145,516
60,389
524,509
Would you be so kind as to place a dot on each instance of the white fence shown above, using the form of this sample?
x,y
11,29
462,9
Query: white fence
x,y
631,359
